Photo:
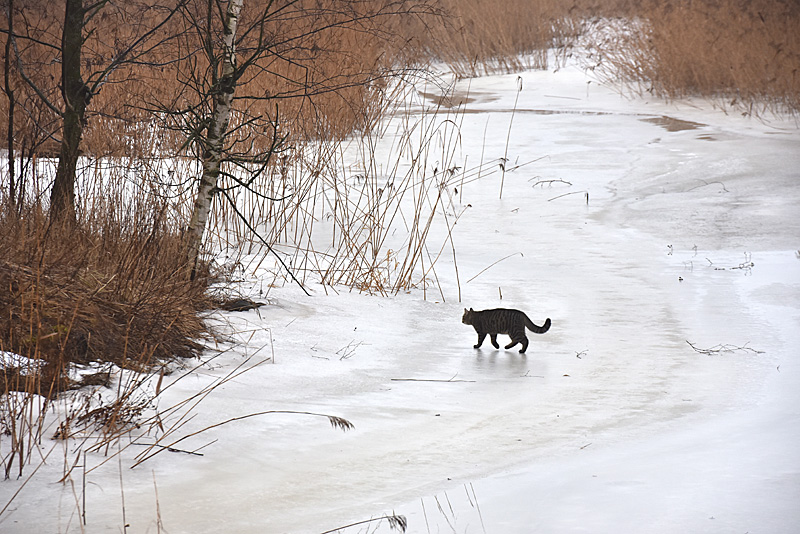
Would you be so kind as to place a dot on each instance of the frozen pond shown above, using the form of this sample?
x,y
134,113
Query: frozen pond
x,y
645,226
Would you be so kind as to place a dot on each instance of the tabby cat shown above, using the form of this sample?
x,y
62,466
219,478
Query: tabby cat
x,y
502,321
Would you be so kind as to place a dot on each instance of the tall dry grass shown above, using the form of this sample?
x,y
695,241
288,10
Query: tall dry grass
x,y
745,54
112,290
479,37
110,293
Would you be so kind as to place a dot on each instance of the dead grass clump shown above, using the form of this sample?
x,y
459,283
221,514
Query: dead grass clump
x,y
112,290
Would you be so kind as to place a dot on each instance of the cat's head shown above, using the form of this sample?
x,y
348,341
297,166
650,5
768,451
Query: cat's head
x,y
467,317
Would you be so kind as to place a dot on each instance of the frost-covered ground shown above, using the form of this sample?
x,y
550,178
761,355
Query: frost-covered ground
x,y
681,226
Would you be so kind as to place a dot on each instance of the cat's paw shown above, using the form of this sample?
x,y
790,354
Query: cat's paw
x,y
476,346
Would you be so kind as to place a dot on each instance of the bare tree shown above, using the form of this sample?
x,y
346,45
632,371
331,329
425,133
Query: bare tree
x,y
81,81
237,50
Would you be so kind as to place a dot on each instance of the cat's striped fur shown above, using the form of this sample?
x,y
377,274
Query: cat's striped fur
x,y
502,321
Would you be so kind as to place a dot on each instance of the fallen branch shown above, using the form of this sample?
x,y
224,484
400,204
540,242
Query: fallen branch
x,y
719,349
427,380
550,182
747,265
705,183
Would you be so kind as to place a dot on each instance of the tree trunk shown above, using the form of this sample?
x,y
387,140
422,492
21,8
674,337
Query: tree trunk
x,y
214,141
12,102
76,97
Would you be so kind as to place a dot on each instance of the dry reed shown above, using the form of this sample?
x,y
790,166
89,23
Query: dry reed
x,y
743,54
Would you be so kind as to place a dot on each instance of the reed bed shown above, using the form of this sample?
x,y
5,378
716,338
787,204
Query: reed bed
x,y
109,293
743,54
348,216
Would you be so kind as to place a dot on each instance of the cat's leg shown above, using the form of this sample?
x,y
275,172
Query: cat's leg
x,y
494,341
524,342
513,342
481,337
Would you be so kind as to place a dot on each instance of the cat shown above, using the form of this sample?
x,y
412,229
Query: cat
x,y
502,321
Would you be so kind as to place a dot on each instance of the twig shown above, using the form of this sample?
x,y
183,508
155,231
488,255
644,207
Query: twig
x,y
529,375
255,233
550,182
508,136
427,380
571,193
477,506
348,350
708,183
19,489
170,449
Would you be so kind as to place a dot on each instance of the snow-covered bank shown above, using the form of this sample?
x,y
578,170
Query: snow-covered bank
x,y
610,422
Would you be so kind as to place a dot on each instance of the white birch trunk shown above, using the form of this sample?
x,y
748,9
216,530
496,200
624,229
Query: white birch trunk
x,y
215,134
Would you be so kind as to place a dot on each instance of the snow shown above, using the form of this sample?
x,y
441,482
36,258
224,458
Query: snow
x,y
611,422
9,360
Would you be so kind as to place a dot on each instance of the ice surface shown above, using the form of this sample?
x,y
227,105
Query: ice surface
x,y
680,226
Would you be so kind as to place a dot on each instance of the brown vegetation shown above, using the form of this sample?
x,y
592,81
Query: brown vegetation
x,y
744,53
113,290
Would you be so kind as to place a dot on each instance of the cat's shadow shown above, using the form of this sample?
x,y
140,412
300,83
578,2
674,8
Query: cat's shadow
x,y
500,359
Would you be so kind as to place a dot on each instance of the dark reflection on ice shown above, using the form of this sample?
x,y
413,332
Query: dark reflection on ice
x,y
671,124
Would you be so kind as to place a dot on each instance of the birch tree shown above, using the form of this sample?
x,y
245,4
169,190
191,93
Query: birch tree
x,y
223,89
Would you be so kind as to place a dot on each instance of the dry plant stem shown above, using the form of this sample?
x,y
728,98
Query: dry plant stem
x,y
253,230
442,511
396,522
159,522
705,183
492,265
508,136
122,490
185,409
477,506
336,422
586,193
22,486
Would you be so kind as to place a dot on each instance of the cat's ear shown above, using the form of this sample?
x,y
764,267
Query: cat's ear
x,y
471,310
465,310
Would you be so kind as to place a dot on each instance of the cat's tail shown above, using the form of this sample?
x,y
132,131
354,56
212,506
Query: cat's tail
x,y
537,329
